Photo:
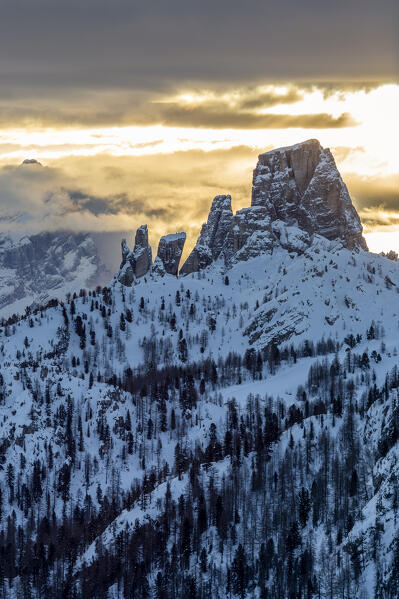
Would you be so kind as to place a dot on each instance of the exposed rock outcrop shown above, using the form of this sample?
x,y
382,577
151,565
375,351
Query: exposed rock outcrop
x,y
125,252
138,262
213,236
301,186
170,249
158,269
31,161
297,195
250,234
126,274
141,258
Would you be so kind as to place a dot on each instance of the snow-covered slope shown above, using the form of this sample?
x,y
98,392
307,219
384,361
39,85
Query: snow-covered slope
x,y
232,432
81,379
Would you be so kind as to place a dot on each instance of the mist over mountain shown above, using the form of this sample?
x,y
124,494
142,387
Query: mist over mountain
x,y
41,260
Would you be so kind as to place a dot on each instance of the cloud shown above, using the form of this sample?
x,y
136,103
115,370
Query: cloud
x,y
119,203
259,99
217,117
236,108
92,63
169,192
135,44
376,199
331,87
343,153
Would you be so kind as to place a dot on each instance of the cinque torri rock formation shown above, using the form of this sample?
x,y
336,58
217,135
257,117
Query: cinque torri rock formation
x,y
297,194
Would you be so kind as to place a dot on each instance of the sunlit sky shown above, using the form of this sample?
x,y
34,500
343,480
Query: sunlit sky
x,y
129,131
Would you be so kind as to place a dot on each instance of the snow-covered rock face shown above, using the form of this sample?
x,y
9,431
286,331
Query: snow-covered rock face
x,y
300,185
213,236
170,249
297,194
37,268
142,255
138,262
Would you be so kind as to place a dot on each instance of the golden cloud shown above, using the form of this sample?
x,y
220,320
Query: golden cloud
x,y
232,108
216,116
376,199
169,192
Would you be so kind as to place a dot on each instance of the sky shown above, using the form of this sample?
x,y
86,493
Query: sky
x,y
141,112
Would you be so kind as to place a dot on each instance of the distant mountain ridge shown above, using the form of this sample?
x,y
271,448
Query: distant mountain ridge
x,y
36,268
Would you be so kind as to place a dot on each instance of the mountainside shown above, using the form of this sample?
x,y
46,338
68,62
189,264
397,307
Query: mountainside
x,y
36,268
228,432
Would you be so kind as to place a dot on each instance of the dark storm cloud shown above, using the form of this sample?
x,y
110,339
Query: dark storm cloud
x,y
97,44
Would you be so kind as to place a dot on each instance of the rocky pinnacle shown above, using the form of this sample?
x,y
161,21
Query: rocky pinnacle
x,y
297,193
300,185
212,237
138,262
170,249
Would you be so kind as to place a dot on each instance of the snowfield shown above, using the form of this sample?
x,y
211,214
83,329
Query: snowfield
x,y
87,425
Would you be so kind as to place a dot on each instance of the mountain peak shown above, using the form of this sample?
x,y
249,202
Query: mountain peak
x,y
309,143
297,193
301,185
31,161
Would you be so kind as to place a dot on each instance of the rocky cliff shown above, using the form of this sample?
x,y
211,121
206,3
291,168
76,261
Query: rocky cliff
x,y
300,185
170,249
297,194
212,237
138,262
